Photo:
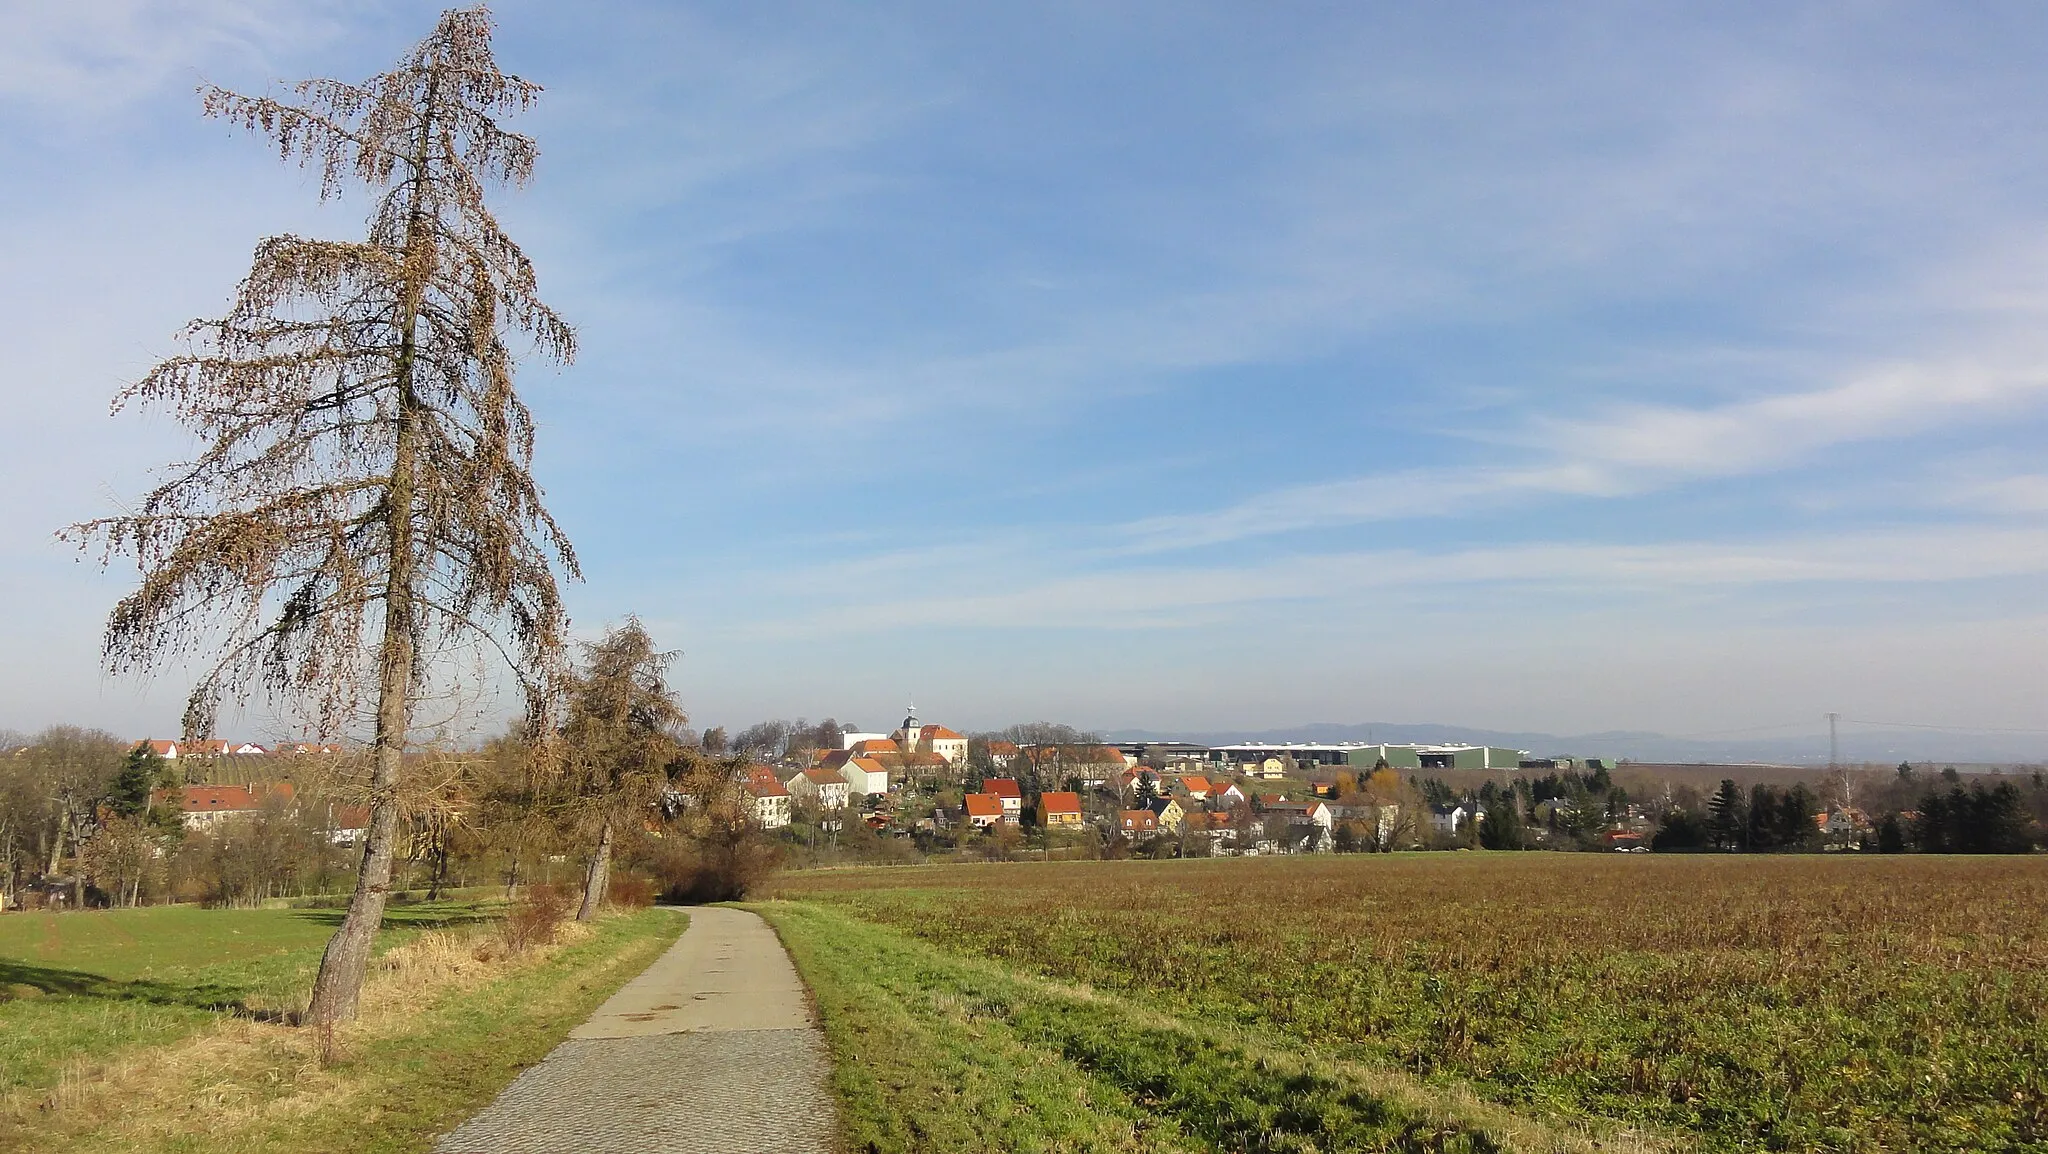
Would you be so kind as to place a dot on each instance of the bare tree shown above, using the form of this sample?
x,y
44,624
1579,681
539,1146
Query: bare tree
x,y
74,769
362,497
620,737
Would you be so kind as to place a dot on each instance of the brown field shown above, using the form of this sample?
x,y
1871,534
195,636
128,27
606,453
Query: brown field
x,y
1794,1003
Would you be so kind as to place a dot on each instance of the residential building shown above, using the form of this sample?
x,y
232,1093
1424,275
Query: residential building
x,y
1002,753
984,810
1312,812
771,800
207,806
1090,764
874,745
347,824
865,776
821,787
1194,785
940,740
1167,809
1009,791
1137,823
1448,819
1059,810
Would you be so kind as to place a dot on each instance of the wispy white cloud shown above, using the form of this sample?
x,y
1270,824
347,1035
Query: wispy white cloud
x,y
86,58
1637,448
889,596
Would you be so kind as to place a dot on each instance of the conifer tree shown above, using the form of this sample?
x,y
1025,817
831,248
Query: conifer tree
x,y
622,734
362,498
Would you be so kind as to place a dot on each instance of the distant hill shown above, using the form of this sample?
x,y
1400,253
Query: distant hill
x,y
1859,745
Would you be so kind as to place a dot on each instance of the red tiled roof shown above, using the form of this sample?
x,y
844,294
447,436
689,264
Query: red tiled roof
x,y
1059,803
941,733
876,745
765,787
349,816
1138,820
984,805
824,777
1002,748
1002,786
222,798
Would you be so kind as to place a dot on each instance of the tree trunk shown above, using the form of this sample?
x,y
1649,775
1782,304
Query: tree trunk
x,y
57,843
340,982
599,877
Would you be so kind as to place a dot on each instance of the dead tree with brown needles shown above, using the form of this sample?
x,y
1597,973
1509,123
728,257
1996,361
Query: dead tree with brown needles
x,y
362,499
618,741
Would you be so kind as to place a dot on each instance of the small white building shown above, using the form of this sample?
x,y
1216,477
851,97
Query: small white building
x,y
1448,819
942,741
819,786
771,801
865,777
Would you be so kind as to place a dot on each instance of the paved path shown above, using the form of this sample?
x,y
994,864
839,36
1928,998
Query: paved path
x,y
711,1050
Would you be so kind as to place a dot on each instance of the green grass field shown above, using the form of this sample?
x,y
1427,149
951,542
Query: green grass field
x,y
1722,1003
156,1027
87,985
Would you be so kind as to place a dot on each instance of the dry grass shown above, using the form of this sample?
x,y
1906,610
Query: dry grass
x,y
244,1073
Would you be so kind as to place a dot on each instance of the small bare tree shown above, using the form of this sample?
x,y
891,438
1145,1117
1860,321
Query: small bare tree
x,y
362,497
620,737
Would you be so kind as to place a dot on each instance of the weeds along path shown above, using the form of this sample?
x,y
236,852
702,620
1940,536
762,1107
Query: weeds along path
x,y
934,1051
450,1016
712,1049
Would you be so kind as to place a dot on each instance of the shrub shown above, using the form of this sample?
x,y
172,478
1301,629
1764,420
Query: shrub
x,y
715,870
630,891
535,917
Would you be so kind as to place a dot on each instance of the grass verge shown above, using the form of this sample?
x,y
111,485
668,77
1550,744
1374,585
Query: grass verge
x,y
447,1020
937,1052
91,985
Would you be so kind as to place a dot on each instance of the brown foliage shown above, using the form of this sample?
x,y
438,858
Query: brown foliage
x,y
363,465
631,891
536,917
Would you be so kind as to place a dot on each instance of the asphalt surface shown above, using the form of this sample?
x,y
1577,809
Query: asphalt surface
x,y
712,1049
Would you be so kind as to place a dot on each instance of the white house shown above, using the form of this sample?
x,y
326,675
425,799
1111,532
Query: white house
x,y
942,741
865,776
1448,819
1311,812
1011,794
820,786
771,801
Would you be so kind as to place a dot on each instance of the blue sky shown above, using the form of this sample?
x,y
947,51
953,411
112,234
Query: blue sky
x,y
1180,366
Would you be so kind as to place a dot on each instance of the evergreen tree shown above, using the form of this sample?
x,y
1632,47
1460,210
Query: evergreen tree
x,y
1727,816
140,773
1503,827
1891,834
1796,811
1682,830
1764,828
